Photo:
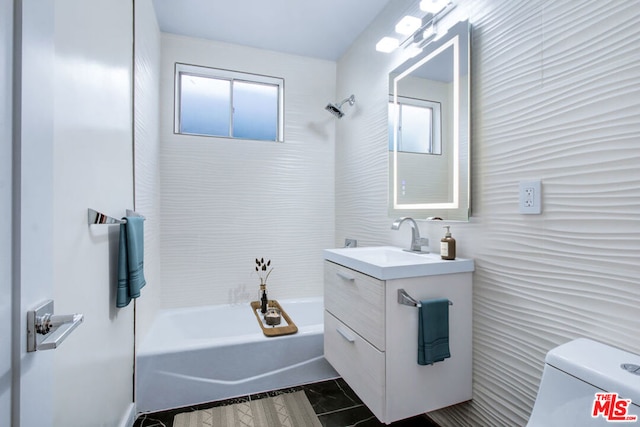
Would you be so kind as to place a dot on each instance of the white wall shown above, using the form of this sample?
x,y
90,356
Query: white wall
x,y
226,202
92,168
550,100
147,155
6,64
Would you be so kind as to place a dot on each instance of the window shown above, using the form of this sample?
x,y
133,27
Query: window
x,y
229,104
418,126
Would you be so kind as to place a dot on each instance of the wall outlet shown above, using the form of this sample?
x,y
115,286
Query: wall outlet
x,y
530,197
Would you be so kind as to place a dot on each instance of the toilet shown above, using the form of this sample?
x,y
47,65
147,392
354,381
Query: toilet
x,y
578,385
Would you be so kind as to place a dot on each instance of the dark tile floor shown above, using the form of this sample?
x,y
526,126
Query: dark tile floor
x,y
333,401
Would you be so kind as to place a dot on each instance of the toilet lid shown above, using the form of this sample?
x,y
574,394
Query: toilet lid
x,y
608,368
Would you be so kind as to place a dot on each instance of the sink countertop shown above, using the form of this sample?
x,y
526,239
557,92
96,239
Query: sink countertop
x,y
390,262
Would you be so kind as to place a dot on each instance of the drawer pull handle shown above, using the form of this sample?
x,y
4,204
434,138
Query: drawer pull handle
x,y
345,335
345,276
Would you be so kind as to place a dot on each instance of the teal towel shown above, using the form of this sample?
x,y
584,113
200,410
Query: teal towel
x,y
130,261
433,331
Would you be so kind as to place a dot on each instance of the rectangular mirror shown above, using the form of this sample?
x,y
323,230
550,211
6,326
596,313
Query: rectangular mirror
x,y
429,130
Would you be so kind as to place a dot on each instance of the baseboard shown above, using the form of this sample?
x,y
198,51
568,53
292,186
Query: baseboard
x,y
129,416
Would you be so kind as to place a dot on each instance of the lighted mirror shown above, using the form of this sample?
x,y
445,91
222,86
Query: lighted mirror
x,y
429,130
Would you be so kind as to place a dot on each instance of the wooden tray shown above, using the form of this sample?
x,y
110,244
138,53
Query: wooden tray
x,y
277,330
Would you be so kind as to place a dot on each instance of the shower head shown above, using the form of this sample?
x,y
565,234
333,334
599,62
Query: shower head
x,y
336,109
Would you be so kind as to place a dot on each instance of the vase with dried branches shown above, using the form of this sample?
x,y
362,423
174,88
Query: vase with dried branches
x,y
263,269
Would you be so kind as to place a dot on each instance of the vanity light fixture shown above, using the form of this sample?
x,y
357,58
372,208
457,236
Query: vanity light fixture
x,y
408,25
428,34
430,31
418,32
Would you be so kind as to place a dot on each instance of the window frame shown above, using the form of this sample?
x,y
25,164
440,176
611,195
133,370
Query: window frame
x,y
435,148
228,75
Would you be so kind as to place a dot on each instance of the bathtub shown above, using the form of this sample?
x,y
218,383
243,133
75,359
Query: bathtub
x,y
203,354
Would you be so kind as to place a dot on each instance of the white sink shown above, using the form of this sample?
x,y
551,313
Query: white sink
x,y
389,262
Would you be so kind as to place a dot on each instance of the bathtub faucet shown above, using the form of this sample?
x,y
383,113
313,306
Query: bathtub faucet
x,y
416,241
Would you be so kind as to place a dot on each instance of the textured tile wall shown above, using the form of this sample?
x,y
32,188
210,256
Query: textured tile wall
x,y
556,97
147,156
226,202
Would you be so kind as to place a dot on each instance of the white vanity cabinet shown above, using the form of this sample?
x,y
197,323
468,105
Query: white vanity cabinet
x,y
372,340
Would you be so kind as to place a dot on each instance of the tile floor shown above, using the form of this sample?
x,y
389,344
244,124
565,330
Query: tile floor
x,y
333,401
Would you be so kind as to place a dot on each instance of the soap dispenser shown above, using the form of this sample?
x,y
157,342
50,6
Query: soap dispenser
x,y
448,246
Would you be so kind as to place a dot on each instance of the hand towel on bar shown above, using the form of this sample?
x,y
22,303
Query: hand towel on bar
x,y
130,261
433,331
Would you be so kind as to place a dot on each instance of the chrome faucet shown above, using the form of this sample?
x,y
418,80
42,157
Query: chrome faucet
x,y
416,241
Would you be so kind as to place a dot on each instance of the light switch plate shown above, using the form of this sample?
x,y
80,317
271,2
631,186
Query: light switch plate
x,y
530,197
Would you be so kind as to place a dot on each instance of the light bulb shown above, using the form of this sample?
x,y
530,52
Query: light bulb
x,y
408,25
387,44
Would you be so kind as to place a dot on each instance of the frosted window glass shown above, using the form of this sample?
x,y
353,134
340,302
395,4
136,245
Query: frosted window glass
x,y
255,114
416,129
228,104
205,105
418,126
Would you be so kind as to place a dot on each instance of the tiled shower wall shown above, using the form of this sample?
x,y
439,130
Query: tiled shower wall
x,y
147,156
556,97
227,202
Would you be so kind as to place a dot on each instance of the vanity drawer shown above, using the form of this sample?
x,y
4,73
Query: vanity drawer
x,y
358,362
357,300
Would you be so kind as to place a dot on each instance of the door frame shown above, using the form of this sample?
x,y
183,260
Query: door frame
x,y
32,204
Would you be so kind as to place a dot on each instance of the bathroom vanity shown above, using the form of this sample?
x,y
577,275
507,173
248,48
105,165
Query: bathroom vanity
x,y
371,339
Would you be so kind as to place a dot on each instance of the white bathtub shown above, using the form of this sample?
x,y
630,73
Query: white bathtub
x,y
202,354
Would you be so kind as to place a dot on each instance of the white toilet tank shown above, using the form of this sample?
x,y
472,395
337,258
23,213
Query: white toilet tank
x,y
578,370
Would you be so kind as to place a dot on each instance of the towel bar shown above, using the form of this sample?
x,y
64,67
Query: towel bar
x,y
405,299
95,217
